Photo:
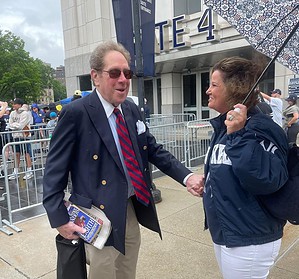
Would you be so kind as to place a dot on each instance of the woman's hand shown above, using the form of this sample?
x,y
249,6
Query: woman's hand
x,y
236,119
195,184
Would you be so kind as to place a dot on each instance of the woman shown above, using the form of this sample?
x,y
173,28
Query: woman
x,y
247,158
291,114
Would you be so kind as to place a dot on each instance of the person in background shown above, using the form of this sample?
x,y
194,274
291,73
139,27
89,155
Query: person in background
x,y
38,118
52,123
263,106
37,114
147,112
247,157
58,108
45,110
19,123
103,142
291,123
77,95
276,104
3,108
52,107
8,136
6,114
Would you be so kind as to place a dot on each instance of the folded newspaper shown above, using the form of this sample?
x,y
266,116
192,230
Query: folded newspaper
x,y
94,220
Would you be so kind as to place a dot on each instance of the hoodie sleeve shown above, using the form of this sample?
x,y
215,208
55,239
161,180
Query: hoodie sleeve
x,y
23,121
259,157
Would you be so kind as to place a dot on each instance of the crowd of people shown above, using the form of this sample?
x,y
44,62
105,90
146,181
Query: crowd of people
x,y
286,116
19,122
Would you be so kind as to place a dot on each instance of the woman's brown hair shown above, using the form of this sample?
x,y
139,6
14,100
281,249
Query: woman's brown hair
x,y
239,75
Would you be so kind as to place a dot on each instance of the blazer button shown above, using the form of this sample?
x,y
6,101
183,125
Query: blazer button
x,y
144,147
102,206
95,157
104,182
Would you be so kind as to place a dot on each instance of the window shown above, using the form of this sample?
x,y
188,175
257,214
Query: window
x,y
189,90
186,7
85,83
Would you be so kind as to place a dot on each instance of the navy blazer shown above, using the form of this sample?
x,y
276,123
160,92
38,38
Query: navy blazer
x,y
83,145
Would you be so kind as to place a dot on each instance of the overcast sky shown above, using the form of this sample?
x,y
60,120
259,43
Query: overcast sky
x,y
38,23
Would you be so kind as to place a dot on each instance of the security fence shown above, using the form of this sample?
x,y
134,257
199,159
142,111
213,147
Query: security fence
x,y
163,119
199,135
23,162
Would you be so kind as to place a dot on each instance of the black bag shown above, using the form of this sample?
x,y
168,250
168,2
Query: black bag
x,y
284,203
71,259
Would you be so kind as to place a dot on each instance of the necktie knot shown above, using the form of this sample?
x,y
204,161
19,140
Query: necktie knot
x,y
116,111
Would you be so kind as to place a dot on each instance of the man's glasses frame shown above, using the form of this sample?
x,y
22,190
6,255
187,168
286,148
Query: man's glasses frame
x,y
115,73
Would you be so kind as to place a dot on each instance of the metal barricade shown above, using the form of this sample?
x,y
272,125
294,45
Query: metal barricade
x,y
22,196
173,138
162,119
199,133
22,188
22,192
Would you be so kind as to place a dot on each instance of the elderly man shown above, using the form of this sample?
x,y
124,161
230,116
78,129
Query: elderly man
x,y
103,142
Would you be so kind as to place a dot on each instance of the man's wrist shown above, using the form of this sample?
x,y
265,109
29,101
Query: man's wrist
x,y
186,178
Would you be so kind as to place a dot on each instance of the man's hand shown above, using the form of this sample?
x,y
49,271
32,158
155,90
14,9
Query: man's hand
x,y
195,184
69,230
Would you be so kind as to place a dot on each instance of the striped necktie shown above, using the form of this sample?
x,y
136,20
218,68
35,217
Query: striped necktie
x,y
141,191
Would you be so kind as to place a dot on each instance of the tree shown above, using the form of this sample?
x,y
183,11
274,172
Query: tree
x,y
59,90
49,82
19,73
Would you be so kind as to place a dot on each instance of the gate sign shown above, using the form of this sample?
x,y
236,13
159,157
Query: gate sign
x,y
294,86
205,25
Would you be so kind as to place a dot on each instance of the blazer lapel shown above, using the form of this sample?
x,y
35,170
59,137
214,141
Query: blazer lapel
x,y
99,120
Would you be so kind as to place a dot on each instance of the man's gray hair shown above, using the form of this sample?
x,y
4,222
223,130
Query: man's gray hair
x,y
96,60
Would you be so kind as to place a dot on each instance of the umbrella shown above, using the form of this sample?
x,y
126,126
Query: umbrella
x,y
270,26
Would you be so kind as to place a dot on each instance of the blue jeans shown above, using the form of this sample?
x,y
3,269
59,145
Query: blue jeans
x,y
23,148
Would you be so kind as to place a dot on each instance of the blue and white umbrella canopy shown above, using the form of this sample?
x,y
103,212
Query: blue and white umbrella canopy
x,y
265,24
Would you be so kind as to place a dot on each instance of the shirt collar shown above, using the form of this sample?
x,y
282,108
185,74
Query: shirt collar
x,y
107,106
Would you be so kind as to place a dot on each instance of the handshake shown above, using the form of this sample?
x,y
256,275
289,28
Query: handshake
x,y
195,184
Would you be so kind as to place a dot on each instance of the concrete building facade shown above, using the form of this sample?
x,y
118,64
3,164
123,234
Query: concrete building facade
x,y
190,39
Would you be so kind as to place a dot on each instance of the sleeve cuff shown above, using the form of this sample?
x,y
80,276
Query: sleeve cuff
x,y
186,178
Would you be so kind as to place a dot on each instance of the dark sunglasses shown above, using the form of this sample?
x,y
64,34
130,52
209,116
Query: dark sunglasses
x,y
115,73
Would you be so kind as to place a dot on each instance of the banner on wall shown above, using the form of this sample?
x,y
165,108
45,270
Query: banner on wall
x,y
124,26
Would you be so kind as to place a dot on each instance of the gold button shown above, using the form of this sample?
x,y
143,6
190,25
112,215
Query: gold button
x,y
102,206
95,157
144,147
104,182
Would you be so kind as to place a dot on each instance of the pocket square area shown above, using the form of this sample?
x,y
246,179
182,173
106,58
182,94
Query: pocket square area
x,y
140,127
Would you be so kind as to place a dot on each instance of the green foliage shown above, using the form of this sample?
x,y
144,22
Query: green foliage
x,y
20,75
59,90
